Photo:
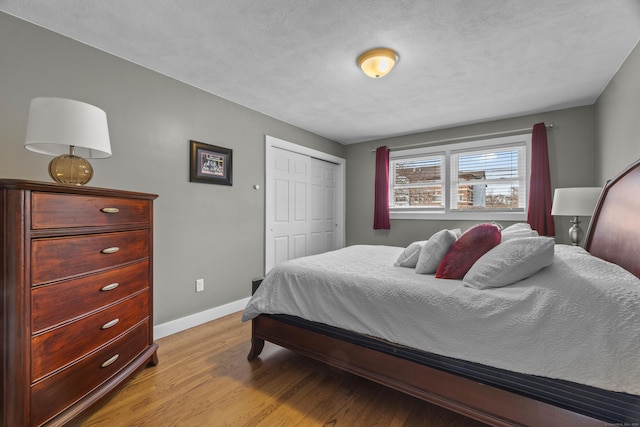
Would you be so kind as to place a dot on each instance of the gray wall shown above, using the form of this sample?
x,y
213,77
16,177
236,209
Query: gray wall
x,y
571,161
201,230
617,118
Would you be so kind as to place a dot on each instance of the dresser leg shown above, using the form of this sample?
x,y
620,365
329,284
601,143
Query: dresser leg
x,y
153,361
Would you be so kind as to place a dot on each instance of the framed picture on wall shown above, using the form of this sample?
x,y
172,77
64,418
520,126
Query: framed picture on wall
x,y
211,164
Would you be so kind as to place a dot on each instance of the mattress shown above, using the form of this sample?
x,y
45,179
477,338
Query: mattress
x,y
577,320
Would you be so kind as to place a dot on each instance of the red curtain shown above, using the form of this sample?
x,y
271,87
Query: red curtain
x,y
381,206
539,213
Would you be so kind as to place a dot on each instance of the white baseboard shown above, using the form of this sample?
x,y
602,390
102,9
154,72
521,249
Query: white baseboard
x,y
178,325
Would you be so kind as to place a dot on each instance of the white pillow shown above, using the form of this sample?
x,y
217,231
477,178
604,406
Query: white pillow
x,y
435,249
518,231
510,262
409,257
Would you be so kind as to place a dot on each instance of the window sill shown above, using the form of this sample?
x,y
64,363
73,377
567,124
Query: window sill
x,y
460,216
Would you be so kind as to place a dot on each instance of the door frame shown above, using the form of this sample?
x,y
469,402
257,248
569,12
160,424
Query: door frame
x,y
271,143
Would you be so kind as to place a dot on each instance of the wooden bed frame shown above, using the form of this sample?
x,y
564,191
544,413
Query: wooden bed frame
x,y
613,235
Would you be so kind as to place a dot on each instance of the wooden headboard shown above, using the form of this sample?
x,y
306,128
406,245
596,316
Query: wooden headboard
x,y
614,232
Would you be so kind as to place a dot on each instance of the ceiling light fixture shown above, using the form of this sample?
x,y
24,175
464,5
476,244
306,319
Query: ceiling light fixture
x,y
377,63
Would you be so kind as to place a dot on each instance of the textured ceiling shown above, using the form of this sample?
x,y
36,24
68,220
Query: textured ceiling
x,y
461,61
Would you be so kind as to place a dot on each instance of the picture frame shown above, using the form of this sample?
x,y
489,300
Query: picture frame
x,y
211,164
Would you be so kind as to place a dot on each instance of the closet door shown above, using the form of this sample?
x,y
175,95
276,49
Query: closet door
x,y
300,207
323,222
290,203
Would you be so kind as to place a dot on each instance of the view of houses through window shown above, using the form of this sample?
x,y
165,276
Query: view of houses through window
x,y
418,182
488,179
488,175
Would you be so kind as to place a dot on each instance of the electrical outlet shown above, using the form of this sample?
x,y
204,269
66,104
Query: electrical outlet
x,y
199,285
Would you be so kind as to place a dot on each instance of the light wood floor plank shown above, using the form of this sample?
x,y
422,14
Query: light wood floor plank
x,y
204,379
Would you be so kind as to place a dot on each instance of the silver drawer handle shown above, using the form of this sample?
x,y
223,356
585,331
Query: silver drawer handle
x,y
111,250
110,210
110,324
109,361
109,287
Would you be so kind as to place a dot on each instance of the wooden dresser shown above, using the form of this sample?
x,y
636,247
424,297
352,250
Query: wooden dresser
x,y
76,284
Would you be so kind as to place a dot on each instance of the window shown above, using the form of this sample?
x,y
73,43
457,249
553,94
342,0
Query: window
x,y
483,180
418,182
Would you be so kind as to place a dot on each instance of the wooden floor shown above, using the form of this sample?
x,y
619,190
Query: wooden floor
x,y
204,379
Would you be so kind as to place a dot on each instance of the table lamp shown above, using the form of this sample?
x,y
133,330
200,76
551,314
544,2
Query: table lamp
x,y
71,130
575,202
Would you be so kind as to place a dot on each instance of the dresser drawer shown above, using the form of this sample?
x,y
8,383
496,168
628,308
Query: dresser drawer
x,y
65,257
54,304
55,393
50,210
58,347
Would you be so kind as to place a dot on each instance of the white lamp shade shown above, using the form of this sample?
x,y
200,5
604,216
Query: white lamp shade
x,y
579,201
57,123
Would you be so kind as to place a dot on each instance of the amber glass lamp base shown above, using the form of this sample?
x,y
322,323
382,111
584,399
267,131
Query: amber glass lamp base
x,y
70,169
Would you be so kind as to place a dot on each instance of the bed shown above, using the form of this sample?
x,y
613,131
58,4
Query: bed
x,y
541,371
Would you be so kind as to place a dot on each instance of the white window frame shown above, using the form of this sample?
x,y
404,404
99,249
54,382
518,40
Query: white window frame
x,y
447,213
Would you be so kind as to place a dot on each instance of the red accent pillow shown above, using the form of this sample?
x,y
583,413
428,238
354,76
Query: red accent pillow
x,y
465,251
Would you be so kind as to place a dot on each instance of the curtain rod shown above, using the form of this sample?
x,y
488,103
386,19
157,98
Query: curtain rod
x,y
460,138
